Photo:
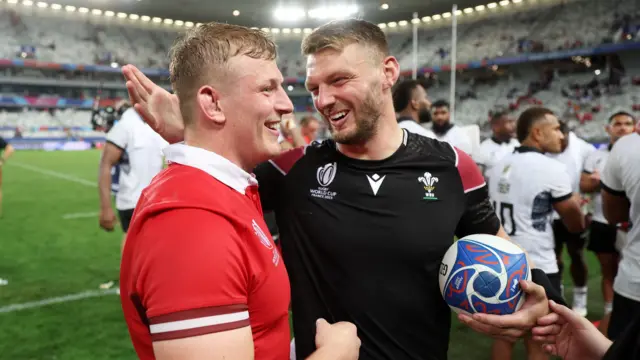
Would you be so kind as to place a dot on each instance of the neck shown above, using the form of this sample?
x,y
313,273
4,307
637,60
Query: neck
x,y
502,138
532,144
383,144
409,114
214,142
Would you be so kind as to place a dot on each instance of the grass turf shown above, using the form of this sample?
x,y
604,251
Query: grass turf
x,y
44,255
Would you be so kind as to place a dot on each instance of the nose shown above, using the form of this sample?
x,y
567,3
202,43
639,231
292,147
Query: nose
x,y
324,98
283,104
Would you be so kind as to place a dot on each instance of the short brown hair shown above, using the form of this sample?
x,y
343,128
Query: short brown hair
x,y
340,33
528,118
307,120
203,52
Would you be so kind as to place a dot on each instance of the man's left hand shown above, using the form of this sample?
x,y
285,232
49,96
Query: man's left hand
x,y
515,326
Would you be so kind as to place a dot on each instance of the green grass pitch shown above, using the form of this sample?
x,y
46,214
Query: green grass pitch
x,y
51,246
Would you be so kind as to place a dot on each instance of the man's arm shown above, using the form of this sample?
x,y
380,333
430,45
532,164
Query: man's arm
x,y
232,344
6,154
569,210
117,139
615,203
590,178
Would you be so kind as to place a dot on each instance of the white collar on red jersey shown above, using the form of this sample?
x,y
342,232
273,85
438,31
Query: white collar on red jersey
x,y
213,164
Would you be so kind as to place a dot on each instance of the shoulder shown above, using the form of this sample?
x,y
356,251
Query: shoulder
x,y
426,147
309,154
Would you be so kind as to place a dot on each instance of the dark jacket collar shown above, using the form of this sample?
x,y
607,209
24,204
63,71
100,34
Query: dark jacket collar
x,y
525,149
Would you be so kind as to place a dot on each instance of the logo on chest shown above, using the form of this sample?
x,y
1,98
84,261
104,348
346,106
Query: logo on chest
x,y
264,240
325,175
429,184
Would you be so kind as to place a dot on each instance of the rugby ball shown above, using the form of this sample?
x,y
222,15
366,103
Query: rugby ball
x,y
481,274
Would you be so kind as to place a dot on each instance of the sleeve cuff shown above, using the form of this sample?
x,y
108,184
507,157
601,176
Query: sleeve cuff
x,y
561,198
612,191
539,277
584,171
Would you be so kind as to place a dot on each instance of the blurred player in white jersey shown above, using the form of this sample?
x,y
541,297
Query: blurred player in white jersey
x,y
137,149
621,203
6,150
602,235
413,107
525,187
445,130
501,143
574,154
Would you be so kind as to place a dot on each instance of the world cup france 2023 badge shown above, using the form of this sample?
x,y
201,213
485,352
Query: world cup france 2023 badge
x,y
429,183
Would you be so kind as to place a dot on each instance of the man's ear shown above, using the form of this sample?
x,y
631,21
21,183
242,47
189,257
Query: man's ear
x,y
209,102
391,70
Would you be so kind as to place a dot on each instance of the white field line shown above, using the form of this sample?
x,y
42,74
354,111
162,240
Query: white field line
x,y
56,174
57,300
80,215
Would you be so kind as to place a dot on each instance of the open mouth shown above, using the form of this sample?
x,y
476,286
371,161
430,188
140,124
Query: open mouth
x,y
338,119
273,126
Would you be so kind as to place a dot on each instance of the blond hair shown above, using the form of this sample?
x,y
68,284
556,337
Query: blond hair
x,y
336,35
200,57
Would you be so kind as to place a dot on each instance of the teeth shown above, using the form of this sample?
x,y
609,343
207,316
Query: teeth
x,y
338,115
273,126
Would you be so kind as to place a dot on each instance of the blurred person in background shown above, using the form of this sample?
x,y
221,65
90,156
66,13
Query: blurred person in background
x,y
136,150
446,130
602,235
6,150
501,143
293,136
574,154
413,107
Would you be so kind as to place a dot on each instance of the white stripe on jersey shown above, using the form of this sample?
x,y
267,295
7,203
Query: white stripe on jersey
x,y
198,322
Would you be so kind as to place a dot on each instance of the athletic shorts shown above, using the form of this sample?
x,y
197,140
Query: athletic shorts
x,y
556,281
561,235
125,218
625,311
602,238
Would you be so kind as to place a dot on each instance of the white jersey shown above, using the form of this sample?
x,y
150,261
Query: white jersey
x,y
596,162
491,152
142,157
621,176
457,137
573,158
523,187
414,127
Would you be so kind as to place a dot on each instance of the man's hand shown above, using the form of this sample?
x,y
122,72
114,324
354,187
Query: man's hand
x,y
514,326
340,339
108,219
569,335
159,108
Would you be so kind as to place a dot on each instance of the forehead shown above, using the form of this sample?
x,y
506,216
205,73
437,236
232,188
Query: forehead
x,y
249,70
622,118
420,91
441,109
326,62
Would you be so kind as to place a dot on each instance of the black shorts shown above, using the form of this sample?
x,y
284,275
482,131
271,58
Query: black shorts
x,y
602,238
624,312
561,235
125,218
556,281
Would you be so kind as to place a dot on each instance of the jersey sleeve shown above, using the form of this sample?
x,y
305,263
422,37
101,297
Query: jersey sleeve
x,y
590,164
559,183
271,175
119,135
3,144
479,216
611,179
193,279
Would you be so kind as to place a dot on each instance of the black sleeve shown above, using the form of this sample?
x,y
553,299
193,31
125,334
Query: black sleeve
x,y
627,346
479,216
270,181
3,144
539,277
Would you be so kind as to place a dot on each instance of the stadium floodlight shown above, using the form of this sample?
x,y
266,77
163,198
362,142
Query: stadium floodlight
x,y
286,31
426,19
446,15
481,7
491,5
70,8
27,3
275,31
504,2
188,24
265,29
168,21
114,65
12,1
109,13
403,23
392,24
307,30
236,12
384,6
516,1
96,12
415,21
143,17
436,17
42,4
178,22
458,12
333,12
56,6
198,24
83,10
297,30
156,20
289,14
382,25
122,15
468,10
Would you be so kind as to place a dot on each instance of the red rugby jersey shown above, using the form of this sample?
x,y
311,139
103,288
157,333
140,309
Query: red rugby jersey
x,y
199,258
